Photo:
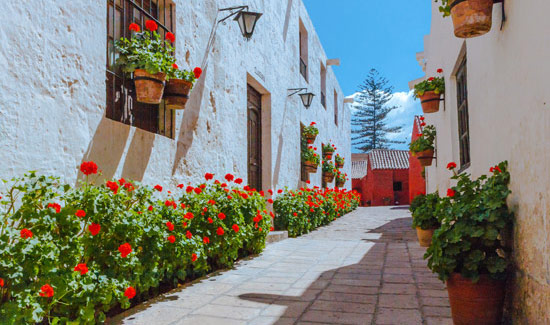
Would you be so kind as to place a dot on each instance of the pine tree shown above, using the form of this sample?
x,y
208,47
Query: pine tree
x,y
371,129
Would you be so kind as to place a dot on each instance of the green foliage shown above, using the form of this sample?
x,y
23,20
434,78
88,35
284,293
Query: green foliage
x,y
339,160
425,140
328,148
310,131
424,211
309,154
145,50
306,209
474,220
328,167
133,214
445,7
340,177
187,75
435,84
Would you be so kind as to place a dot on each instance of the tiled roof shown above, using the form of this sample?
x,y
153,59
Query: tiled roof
x,y
389,159
418,122
358,169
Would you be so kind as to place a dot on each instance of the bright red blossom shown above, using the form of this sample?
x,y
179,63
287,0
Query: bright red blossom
x,y
439,70
236,228
206,240
113,186
130,293
151,25
221,215
94,228
134,27
208,176
1,282
26,233
82,268
188,234
46,291
193,257
175,66
451,192
451,166
220,231
431,78
229,177
88,167
239,181
124,249
158,188
171,239
171,37
55,206
170,226
197,72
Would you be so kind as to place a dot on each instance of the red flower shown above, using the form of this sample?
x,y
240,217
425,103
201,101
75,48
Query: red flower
x,y
180,186
308,182
193,257
272,229
134,27
175,66
270,192
220,231
210,220
198,190
130,293
94,228
221,215
295,214
189,215
46,291
451,192
170,226
260,229
239,180
431,78
211,202
189,189
89,167
151,25
129,187
171,239
124,250
208,176
188,234
55,206
244,196
1,282
423,124
150,208
158,188
451,166
206,240
113,186
171,37
26,233
80,213
236,228
312,123
495,169
422,118
229,177
270,201
197,71
82,268
439,70
280,191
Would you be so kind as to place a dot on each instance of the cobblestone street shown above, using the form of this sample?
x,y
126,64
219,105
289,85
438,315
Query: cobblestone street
x,y
365,268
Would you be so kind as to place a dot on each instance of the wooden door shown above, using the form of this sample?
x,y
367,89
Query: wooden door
x,y
254,138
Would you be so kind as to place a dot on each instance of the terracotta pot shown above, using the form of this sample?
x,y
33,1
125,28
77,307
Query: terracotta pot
x,y
149,87
310,167
327,155
471,18
328,178
425,157
176,93
476,303
339,166
310,138
340,183
430,102
424,236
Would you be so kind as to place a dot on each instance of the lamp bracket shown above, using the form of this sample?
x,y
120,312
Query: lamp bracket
x,y
234,11
295,91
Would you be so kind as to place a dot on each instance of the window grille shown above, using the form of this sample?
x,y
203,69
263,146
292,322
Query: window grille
x,y
463,118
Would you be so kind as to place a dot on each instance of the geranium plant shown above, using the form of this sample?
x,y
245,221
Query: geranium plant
x,y
310,155
190,76
339,160
424,211
340,177
425,140
310,131
328,148
328,167
445,8
435,84
475,219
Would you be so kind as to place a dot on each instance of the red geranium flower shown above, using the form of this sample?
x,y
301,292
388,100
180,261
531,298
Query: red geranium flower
x,y
171,239
124,249
239,180
26,233
423,124
158,188
94,228
229,177
150,208
270,201
129,187
198,190
439,70
46,291
88,168
197,71
55,206
451,192
208,176
170,226
193,257
188,234
130,293
206,240
134,27
151,25
210,220
221,215
113,186
422,118
220,231
82,268
312,123
431,78
236,228
80,213
171,37
180,186
175,66
451,166
1,282
280,191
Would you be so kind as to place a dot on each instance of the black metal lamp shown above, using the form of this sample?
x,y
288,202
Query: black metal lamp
x,y
307,97
246,19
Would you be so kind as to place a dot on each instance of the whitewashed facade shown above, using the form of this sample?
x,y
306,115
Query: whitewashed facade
x,y
53,102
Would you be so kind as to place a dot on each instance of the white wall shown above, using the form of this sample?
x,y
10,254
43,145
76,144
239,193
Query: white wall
x,y
509,107
53,99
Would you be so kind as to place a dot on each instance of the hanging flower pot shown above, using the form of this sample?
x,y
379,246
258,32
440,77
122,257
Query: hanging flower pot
x,y
471,18
310,133
149,87
176,93
328,151
423,146
310,166
339,161
476,303
328,177
429,92
340,183
425,157
424,236
430,102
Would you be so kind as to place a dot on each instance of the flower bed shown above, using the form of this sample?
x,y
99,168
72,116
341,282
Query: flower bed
x,y
74,254
306,209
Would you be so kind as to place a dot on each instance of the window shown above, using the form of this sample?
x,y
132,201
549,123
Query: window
x,y
323,86
303,51
335,108
121,100
397,186
463,119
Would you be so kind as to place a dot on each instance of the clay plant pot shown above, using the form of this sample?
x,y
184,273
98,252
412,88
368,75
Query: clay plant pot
x,y
339,166
149,87
340,183
310,138
328,177
310,167
424,236
471,18
476,303
327,155
425,157
430,102
176,93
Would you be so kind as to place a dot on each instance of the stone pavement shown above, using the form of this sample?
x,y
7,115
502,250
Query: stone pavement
x,y
364,268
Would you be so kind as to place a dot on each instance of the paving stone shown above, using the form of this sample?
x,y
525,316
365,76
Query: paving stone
x,y
434,301
348,297
433,293
206,320
393,316
352,289
436,311
332,317
233,312
398,301
398,288
344,307
397,278
439,321
286,308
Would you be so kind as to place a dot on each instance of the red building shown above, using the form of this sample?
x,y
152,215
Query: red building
x,y
417,183
382,177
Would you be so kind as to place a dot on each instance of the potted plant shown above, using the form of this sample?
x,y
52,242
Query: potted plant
x,y
310,159
328,171
310,133
471,18
339,160
429,92
423,209
328,150
179,85
468,250
340,179
149,58
423,146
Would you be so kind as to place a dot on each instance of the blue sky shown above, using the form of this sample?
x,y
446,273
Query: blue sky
x,y
379,34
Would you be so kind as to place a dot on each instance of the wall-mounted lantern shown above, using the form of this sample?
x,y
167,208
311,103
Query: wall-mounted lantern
x,y
246,19
307,97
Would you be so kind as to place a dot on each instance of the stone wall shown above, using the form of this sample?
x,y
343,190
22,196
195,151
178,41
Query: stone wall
x,y
52,107
509,115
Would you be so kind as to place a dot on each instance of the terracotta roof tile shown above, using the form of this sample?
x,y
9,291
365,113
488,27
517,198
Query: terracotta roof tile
x,y
358,169
389,159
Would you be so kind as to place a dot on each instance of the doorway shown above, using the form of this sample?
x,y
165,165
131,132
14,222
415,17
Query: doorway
x,y
254,103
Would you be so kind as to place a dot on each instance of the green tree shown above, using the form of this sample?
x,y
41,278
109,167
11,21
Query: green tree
x,y
371,109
